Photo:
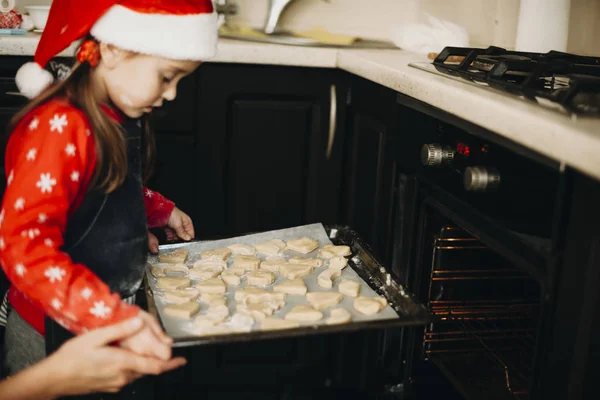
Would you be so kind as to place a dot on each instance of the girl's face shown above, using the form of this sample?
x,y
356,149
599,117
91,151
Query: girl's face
x,y
138,83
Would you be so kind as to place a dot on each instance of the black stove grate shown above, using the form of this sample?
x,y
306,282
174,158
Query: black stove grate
x,y
568,80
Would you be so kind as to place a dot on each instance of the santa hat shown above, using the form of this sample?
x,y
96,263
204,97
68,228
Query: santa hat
x,y
174,29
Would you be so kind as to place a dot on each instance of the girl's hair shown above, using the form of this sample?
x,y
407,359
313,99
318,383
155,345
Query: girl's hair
x,y
111,148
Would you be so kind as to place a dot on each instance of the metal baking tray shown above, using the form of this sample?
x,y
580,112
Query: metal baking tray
x,y
363,262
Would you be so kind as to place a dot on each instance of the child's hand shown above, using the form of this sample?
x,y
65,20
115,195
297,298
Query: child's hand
x,y
152,243
88,363
182,224
150,341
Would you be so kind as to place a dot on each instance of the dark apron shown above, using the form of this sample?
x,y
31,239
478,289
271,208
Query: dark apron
x,y
108,234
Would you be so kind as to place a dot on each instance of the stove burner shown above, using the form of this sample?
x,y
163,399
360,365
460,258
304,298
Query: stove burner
x,y
567,80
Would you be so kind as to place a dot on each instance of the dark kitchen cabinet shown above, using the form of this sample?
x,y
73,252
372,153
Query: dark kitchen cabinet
x,y
372,165
269,147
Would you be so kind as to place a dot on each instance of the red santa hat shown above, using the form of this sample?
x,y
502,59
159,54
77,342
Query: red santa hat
x,y
174,29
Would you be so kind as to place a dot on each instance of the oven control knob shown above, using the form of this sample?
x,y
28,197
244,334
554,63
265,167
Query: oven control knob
x,y
481,179
435,155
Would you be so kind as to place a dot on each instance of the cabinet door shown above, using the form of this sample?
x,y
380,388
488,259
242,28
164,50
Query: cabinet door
x,y
369,198
263,139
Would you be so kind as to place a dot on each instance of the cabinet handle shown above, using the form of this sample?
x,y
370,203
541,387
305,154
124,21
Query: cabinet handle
x,y
332,121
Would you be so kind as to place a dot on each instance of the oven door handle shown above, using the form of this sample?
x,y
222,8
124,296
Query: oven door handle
x,y
332,121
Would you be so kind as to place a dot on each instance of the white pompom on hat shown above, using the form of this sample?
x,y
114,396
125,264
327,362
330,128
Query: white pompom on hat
x,y
175,29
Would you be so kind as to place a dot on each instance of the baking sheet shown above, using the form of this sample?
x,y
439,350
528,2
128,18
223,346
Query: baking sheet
x,y
178,328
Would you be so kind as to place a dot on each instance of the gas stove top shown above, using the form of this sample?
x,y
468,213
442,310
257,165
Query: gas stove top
x,y
562,81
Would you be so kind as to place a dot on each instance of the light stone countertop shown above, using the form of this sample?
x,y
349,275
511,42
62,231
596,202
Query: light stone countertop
x,y
574,142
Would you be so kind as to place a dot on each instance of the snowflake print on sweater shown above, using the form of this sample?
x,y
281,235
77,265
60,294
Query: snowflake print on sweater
x,y
52,158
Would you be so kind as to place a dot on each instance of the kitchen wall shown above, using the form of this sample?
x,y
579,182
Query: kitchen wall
x,y
487,21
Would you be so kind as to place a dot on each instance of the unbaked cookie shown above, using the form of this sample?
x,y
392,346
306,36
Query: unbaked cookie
x,y
183,310
271,247
180,296
313,262
209,262
369,305
231,279
349,288
338,262
242,249
303,245
216,254
177,256
291,271
205,273
338,316
295,286
326,278
303,313
272,324
248,263
172,283
328,251
260,278
162,269
259,311
323,300
273,264
213,299
215,285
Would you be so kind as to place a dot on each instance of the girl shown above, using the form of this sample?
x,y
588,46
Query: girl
x,y
73,232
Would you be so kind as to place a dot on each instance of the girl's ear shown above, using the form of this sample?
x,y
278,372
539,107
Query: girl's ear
x,y
111,55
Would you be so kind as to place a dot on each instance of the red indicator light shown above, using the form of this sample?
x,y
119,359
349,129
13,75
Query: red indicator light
x,y
463,149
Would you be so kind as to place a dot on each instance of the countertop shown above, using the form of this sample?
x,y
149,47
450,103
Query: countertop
x,y
573,142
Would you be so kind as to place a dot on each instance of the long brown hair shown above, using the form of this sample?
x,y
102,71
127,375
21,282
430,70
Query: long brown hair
x,y
111,149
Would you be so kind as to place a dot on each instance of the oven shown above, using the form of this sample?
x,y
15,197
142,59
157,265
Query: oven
x,y
483,216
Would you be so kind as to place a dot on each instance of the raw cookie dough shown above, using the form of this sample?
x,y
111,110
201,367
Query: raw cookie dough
x,y
328,251
303,313
172,283
338,262
234,271
323,300
162,269
209,262
369,305
253,295
215,285
313,262
272,324
241,323
291,271
180,296
349,288
248,263
260,278
231,279
242,249
216,254
303,245
183,310
325,278
259,311
338,316
213,299
295,286
274,246
206,327
217,313
177,256
273,264
205,273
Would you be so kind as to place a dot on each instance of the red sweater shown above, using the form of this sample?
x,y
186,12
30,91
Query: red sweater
x,y
50,160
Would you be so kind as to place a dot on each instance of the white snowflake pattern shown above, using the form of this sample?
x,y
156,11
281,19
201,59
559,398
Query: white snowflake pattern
x,y
88,132
86,293
42,218
2,244
11,176
33,125
70,149
1,217
55,274
32,233
56,304
48,242
31,154
20,204
149,193
61,321
57,123
75,176
20,269
100,310
46,182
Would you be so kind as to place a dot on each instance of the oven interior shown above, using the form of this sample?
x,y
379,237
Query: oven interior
x,y
486,313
